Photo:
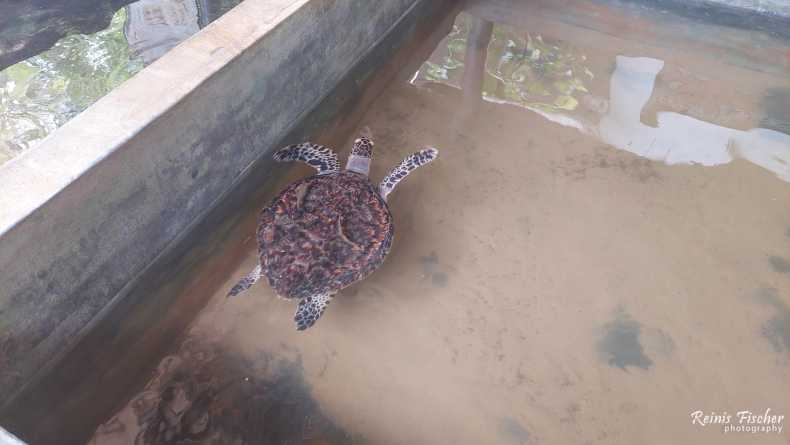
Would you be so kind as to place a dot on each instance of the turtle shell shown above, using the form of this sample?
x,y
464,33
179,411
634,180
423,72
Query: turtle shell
x,y
323,233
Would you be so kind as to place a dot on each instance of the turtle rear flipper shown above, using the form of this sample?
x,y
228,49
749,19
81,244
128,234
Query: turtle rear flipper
x,y
310,309
321,158
403,169
246,282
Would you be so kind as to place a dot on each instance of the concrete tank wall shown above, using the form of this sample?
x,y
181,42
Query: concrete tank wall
x,y
779,7
85,212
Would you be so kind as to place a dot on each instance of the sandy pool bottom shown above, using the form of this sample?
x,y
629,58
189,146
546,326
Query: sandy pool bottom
x,y
542,288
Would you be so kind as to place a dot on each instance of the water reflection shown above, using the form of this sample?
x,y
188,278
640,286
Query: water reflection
x,y
503,63
549,77
677,138
42,92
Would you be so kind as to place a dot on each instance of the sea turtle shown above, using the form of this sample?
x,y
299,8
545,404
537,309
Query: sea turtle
x,y
326,231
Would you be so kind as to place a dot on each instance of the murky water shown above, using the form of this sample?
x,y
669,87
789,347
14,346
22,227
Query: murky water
x,y
601,251
44,81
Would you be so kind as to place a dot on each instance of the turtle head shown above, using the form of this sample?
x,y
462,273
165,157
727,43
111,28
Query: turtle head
x,y
361,154
363,147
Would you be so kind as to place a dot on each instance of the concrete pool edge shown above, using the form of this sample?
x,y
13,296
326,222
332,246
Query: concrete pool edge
x,y
766,15
134,189
761,7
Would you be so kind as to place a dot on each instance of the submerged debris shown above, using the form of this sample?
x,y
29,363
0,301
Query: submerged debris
x,y
205,395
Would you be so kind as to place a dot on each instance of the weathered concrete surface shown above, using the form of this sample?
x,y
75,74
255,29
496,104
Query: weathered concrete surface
x,y
772,16
84,213
778,7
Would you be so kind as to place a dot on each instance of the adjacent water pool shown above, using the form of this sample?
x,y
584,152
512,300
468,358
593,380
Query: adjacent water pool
x,y
52,66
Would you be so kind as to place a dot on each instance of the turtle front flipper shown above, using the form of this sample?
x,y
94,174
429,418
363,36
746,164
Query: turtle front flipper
x,y
317,156
310,309
411,162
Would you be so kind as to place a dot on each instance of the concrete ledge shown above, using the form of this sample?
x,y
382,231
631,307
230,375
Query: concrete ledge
x,y
771,16
84,213
766,7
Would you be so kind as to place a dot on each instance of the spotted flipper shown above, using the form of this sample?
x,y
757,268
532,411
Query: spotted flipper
x,y
310,308
246,282
411,162
319,157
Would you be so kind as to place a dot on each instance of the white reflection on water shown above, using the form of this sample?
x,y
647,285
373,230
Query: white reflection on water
x,y
680,139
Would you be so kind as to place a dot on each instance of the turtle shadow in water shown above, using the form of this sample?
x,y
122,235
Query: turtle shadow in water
x,y
620,345
513,431
8,348
776,110
776,329
215,397
779,264
430,268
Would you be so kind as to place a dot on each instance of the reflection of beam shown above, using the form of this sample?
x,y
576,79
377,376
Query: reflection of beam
x,y
203,12
621,27
475,60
